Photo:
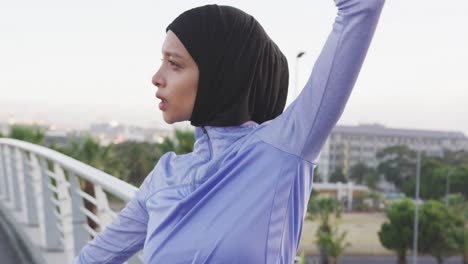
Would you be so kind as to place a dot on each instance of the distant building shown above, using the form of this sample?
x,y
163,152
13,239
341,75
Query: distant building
x,y
349,145
343,192
114,132
56,138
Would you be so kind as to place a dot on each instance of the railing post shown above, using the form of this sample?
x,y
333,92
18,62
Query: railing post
x,y
21,179
63,197
3,176
6,174
80,235
103,208
30,193
47,221
15,179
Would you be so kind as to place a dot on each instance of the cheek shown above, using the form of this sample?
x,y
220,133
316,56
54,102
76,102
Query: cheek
x,y
193,90
188,88
194,84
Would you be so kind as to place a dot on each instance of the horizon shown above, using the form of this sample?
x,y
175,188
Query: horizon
x,y
185,125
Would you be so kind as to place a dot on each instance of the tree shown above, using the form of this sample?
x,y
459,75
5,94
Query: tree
x,y
459,180
397,164
363,174
183,142
137,159
89,151
458,205
302,258
358,172
397,233
317,176
455,158
334,243
460,239
322,208
372,179
33,134
337,175
436,227
434,175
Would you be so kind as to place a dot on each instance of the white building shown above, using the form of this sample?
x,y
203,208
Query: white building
x,y
349,145
343,192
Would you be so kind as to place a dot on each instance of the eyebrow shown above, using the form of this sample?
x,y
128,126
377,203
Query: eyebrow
x,y
172,54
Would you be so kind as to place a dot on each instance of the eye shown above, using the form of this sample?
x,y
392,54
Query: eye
x,y
173,63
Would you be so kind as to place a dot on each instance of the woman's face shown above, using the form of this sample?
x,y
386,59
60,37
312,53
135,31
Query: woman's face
x,y
177,81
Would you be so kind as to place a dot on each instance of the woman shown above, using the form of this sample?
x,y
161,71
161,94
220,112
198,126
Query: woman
x,y
241,195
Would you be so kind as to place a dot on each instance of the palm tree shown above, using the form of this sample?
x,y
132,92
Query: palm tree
x,y
334,243
322,208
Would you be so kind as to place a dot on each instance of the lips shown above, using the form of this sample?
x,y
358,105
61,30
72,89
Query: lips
x,y
163,103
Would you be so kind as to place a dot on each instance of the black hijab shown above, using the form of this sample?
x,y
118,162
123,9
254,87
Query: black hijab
x,y
243,74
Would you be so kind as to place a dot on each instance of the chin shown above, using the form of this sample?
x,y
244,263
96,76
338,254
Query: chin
x,y
174,119
171,120
168,120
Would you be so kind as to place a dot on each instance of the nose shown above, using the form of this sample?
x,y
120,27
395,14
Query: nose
x,y
158,79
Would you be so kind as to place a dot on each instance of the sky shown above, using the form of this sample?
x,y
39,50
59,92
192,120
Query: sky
x,y
76,62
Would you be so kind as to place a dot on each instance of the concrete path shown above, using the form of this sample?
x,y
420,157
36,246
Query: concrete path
x,y
8,253
20,243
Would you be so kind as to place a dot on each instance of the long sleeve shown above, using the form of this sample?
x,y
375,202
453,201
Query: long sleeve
x,y
124,236
305,125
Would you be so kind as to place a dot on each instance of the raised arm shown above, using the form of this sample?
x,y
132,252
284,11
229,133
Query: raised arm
x,y
305,125
123,237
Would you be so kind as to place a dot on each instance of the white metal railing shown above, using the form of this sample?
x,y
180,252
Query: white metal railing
x,y
45,186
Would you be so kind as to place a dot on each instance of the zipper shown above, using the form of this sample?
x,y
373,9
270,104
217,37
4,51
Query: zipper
x,y
210,146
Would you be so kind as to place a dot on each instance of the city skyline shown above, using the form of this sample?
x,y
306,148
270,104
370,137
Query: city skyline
x,y
79,63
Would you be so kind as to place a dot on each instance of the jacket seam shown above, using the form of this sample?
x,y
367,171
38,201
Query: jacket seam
x,y
271,211
284,221
284,151
168,188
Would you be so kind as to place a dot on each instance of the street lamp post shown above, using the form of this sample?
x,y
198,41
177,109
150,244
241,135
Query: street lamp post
x,y
416,213
296,81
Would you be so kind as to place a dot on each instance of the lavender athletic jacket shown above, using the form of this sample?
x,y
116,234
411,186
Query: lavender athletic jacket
x,y
241,195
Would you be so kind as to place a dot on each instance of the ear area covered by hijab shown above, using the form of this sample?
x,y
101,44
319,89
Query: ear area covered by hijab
x,y
243,74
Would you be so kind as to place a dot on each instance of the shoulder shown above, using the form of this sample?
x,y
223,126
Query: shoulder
x,y
171,171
